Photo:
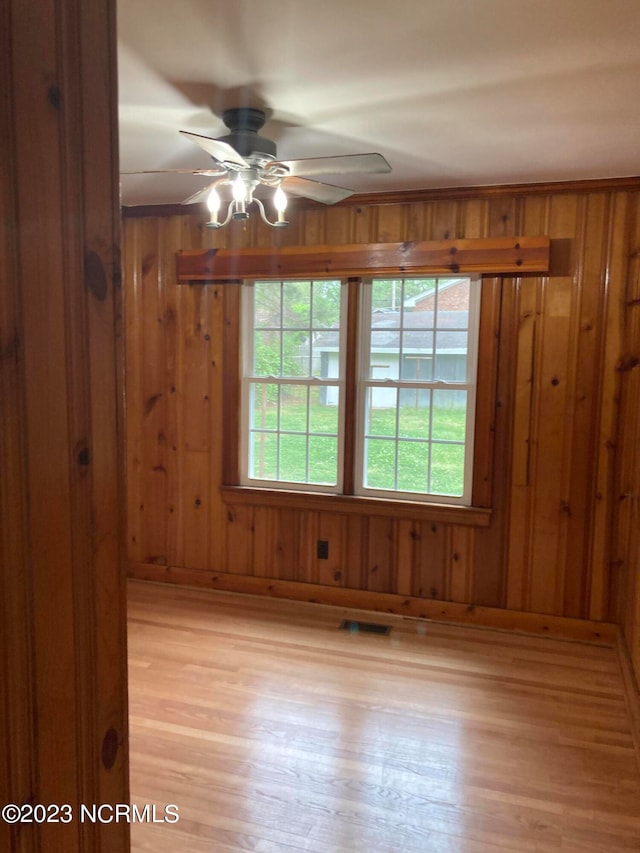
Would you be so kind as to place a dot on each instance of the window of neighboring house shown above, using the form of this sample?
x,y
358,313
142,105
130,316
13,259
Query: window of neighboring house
x,y
403,428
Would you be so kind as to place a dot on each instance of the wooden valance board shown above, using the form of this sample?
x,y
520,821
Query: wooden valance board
x,y
494,256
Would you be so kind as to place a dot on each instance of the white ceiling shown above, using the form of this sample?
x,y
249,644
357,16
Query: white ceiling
x,y
451,92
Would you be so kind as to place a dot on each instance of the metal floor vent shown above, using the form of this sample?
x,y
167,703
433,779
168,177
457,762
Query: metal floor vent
x,y
365,627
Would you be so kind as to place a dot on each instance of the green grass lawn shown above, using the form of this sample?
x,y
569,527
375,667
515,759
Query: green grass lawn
x,y
317,463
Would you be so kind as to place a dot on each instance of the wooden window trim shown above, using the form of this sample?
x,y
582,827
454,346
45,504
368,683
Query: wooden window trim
x,y
482,256
491,258
471,516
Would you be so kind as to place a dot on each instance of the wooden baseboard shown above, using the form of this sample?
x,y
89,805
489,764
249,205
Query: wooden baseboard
x,y
604,633
632,689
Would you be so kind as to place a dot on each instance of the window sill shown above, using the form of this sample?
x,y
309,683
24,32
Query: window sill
x,y
467,516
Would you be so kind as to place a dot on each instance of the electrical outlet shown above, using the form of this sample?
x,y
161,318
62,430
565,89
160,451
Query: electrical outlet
x,y
322,549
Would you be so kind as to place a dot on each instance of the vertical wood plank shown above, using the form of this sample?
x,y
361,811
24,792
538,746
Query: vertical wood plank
x,y
380,554
588,334
487,378
171,237
313,225
286,544
153,386
460,570
490,559
264,532
429,578
391,224
229,404
407,536
339,226
608,412
132,272
535,219
552,442
196,510
239,547
355,552
62,642
331,528
626,527
445,223
221,453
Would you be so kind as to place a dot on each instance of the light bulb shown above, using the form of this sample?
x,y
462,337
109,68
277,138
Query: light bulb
x,y
239,191
280,200
213,200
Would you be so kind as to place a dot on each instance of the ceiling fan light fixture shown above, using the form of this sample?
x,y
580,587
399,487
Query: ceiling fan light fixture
x,y
242,192
243,161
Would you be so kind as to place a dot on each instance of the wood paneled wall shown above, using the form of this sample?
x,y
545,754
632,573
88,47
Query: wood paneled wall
x,y
626,553
63,710
548,548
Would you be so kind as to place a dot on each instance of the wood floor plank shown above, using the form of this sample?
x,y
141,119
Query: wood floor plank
x,y
273,730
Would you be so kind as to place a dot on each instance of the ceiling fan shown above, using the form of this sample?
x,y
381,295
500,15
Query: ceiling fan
x,y
244,160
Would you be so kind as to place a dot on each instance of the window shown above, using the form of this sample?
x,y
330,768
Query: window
x,y
401,426
293,388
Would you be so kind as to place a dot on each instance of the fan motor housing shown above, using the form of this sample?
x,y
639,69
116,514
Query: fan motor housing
x,y
244,124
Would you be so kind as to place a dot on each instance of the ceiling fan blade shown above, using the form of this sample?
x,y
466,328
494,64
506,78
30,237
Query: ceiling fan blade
x,y
207,173
199,195
220,151
316,190
346,164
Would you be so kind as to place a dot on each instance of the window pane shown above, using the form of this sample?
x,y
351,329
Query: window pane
x,y
413,417
326,304
264,406
413,466
380,463
323,409
451,356
266,353
293,408
296,304
263,464
323,460
386,296
381,411
420,317
325,351
417,364
418,294
449,415
383,356
295,354
293,458
447,469
266,304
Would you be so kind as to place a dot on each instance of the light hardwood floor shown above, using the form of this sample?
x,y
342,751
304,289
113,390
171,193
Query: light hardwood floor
x,y
273,730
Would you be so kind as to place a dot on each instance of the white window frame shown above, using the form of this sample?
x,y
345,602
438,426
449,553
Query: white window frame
x,y
365,382
249,378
